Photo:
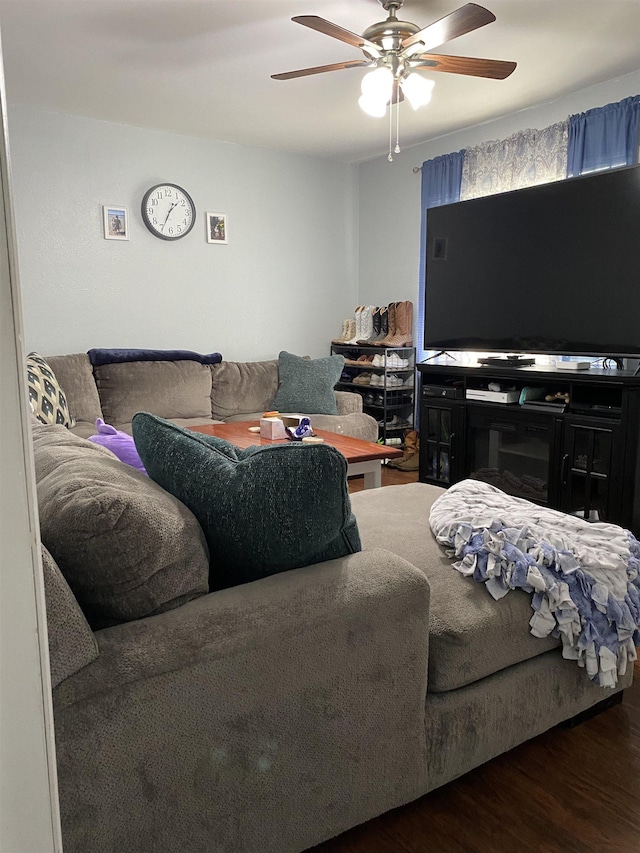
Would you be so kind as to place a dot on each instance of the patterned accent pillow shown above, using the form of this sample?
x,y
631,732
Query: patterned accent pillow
x,y
263,510
307,385
46,397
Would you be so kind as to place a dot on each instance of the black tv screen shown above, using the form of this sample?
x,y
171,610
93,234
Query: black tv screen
x,y
549,269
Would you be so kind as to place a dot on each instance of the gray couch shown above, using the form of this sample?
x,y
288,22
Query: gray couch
x,y
188,393
268,717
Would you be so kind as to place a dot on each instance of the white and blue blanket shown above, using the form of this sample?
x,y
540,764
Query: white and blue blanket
x,y
584,577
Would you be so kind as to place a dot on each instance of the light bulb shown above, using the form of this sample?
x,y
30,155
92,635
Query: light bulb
x,y
378,84
372,106
417,89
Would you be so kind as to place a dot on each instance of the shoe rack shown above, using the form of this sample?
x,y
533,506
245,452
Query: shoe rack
x,y
385,378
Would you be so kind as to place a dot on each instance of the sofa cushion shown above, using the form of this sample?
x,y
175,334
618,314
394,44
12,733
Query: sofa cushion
x,y
72,644
470,635
263,510
171,389
75,374
47,399
242,388
307,385
127,548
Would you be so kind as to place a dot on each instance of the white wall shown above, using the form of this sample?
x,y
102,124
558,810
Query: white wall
x,y
286,279
389,193
29,816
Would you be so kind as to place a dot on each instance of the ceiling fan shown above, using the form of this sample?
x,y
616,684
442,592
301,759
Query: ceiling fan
x,y
394,49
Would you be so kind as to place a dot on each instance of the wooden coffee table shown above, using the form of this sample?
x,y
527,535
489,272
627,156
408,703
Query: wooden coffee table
x,y
363,457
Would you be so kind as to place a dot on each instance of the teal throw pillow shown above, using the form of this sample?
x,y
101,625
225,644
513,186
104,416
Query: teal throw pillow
x,y
306,384
263,510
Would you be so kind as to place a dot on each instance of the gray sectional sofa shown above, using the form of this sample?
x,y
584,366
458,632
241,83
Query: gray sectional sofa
x,y
188,393
269,716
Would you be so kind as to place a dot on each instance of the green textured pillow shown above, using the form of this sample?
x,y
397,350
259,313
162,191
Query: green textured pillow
x,y
269,509
306,385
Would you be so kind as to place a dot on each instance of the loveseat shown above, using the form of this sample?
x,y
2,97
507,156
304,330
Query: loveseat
x,y
187,392
268,716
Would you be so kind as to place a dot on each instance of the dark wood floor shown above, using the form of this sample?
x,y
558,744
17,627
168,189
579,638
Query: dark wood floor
x,y
567,791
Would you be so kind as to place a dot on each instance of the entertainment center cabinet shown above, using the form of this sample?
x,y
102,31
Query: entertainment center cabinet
x,y
578,452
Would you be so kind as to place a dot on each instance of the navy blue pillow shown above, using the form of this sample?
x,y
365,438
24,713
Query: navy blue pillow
x,y
263,510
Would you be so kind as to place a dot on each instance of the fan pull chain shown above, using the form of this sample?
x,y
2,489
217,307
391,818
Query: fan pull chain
x,y
397,148
390,156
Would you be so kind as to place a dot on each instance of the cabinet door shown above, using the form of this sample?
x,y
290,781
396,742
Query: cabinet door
x,y
440,443
587,466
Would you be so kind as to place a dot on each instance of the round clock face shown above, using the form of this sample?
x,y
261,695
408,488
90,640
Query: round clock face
x,y
168,211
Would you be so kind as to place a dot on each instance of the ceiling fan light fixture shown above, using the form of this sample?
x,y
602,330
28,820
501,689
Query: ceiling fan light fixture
x,y
378,84
417,89
374,107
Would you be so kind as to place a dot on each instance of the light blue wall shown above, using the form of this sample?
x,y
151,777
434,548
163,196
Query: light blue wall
x,y
389,193
286,279
309,238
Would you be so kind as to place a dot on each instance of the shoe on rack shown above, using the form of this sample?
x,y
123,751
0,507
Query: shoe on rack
x,y
369,399
395,361
344,335
377,380
392,380
362,379
366,324
383,325
357,325
378,360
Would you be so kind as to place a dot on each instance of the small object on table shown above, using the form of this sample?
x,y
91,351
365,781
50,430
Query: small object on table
x,y
254,429
301,431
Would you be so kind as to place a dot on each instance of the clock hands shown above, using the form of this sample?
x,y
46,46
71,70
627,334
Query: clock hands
x,y
175,203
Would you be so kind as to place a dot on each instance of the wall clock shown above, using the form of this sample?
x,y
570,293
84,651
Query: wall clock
x,y
168,211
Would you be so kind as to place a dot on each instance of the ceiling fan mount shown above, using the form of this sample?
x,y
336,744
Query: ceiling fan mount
x,y
390,34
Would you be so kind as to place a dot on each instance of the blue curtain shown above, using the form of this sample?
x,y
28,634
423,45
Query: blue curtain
x,y
604,138
441,179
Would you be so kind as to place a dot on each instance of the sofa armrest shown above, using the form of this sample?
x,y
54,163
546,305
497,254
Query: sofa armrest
x,y
348,402
299,694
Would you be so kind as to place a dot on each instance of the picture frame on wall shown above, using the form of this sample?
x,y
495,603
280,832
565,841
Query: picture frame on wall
x,y
217,230
115,221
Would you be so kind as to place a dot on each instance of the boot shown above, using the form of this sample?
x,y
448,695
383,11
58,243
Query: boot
x,y
404,324
372,325
344,335
383,325
391,314
353,340
351,332
366,324
411,458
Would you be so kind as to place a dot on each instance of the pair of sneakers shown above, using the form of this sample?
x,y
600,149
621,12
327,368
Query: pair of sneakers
x,y
391,380
393,361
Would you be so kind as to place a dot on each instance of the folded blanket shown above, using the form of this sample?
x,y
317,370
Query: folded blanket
x,y
113,356
584,577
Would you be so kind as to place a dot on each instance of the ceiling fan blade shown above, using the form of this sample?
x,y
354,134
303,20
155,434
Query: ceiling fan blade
x,y
463,20
497,69
320,69
336,32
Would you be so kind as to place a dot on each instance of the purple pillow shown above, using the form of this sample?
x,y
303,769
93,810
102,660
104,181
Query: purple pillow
x,y
119,443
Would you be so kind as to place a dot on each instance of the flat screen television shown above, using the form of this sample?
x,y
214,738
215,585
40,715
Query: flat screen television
x,y
551,269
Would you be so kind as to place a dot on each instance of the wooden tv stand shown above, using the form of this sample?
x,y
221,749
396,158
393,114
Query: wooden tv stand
x,y
581,456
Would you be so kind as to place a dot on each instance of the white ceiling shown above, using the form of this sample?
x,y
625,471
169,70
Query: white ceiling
x,y
202,67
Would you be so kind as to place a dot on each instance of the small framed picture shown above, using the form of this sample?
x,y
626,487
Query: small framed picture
x,y
217,231
116,222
